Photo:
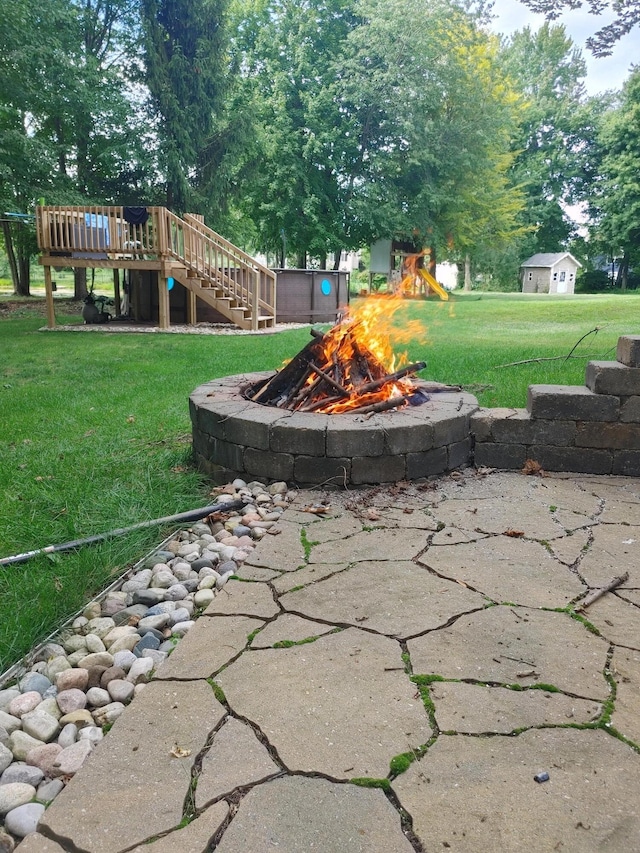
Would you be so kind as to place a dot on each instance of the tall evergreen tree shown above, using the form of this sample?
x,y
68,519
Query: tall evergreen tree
x,y
185,58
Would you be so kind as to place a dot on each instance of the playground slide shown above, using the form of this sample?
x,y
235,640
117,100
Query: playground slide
x,y
433,284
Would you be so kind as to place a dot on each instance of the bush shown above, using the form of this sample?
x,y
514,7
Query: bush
x,y
593,281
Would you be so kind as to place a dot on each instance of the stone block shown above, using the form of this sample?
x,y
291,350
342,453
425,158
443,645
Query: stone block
x,y
378,469
426,464
459,454
227,454
481,422
252,426
321,469
449,425
202,443
491,454
580,460
523,429
628,350
618,436
211,418
300,433
611,377
348,435
264,463
626,462
630,410
216,473
571,403
410,434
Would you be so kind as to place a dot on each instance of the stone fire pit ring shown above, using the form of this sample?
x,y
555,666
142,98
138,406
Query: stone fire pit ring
x,y
234,437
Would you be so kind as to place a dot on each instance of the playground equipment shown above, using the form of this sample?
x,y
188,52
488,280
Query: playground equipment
x,y
416,280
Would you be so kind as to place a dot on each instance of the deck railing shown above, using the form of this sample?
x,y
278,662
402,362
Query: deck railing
x,y
96,230
107,233
218,263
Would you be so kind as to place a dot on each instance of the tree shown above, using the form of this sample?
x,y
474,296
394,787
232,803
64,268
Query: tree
x,y
603,42
185,61
619,220
552,137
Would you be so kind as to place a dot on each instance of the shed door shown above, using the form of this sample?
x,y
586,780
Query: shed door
x,y
562,282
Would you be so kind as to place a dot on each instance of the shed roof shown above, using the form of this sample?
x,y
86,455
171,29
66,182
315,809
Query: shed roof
x,y
548,259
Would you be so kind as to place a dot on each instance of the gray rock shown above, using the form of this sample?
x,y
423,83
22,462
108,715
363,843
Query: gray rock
x,y
140,670
91,733
92,610
177,592
108,714
20,743
21,772
158,622
98,697
24,820
49,790
9,722
181,614
124,659
6,757
241,530
149,597
94,643
181,628
101,626
74,643
120,690
4,736
48,651
149,641
35,681
202,563
44,757
69,733
50,706
156,656
40,725
71,759
96,659
163,579
113,602
6,696
15,794
7,844
162,607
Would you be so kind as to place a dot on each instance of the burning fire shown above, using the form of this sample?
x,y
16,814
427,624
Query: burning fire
x,y
350,368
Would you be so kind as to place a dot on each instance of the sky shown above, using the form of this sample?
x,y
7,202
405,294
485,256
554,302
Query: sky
x,y
604,73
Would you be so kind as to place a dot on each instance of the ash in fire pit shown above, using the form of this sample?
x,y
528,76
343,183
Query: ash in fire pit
x,y
283,426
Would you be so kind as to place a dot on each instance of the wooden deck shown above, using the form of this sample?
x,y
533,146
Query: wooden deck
x,y
183,249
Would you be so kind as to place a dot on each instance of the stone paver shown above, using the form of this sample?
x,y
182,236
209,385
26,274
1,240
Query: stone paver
x,y
510,645
396,585
473,794
137,765
534,578
299,815
393,598
343,707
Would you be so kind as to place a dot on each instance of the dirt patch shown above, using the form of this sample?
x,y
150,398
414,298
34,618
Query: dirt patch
x,y
34,306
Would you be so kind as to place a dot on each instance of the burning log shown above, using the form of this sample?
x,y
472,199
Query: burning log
x,y
337,372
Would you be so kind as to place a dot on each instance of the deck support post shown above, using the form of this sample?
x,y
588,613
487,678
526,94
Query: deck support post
x,y
116,292
51,316
164,312
191,308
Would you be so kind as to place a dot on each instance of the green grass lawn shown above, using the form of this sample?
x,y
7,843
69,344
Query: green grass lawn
x,y
95,430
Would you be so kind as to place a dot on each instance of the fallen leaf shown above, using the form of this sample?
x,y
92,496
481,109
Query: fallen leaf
x,y
515,534
131,419
373,515
462,583
178,469
179,752
317,509
533,467
89,432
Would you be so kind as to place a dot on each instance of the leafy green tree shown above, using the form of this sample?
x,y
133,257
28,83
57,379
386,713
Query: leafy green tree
x,y
185,69
619,219
548,70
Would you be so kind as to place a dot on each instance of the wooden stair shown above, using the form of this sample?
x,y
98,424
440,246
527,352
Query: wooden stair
x,y
220,274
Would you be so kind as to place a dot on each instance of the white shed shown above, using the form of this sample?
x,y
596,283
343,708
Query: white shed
x,y
549,272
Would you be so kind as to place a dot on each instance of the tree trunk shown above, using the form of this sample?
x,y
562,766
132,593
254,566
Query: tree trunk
x,y
24,276
301,260
432,261
336,262
467,272
79,283
11,256
623,271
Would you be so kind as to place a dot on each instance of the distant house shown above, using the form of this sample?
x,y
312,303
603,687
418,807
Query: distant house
x,y
549,272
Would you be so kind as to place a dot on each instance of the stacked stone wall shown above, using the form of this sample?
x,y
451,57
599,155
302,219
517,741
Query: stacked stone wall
x,y
592,429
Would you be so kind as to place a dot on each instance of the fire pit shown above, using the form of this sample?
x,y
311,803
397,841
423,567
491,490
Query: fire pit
x,y
335,414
